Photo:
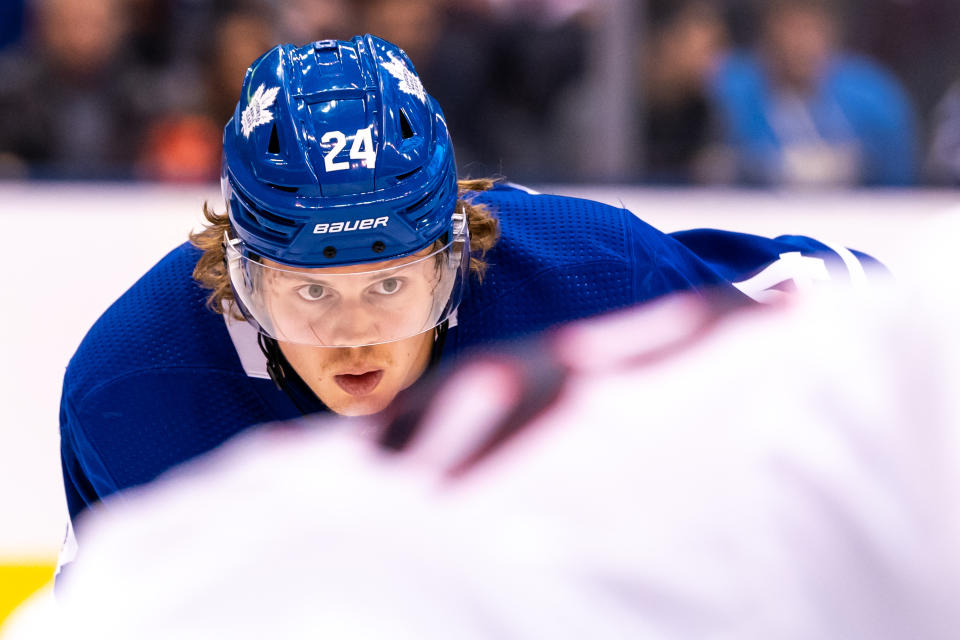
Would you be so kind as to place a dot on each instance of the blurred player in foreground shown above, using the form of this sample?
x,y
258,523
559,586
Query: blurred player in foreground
x,y
775,472
349,260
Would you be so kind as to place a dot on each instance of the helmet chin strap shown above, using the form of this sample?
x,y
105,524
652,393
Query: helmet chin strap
x,y
286,377
439,339
289,381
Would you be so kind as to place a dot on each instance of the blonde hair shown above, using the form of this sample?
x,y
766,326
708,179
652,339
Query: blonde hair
x,y
211,269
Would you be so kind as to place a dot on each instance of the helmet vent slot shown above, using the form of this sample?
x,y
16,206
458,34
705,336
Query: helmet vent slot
x,y
404,176
274,145
422,201
283,188
406,131
427,205
269,226
268,223
270,217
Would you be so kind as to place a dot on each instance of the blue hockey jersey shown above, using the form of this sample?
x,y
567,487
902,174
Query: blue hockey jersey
x,y
160,378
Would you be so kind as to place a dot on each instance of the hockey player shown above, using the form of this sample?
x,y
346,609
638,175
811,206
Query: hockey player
x,y
611,485
350,259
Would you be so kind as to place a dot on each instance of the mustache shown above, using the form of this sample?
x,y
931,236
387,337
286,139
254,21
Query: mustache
x,y
373,356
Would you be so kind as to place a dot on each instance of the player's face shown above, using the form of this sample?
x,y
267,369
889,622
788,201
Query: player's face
x,y
356,305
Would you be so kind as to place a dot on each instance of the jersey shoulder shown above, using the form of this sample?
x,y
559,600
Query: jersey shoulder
x,y
561,230
160,322
561,258
558,229
156,381
760,266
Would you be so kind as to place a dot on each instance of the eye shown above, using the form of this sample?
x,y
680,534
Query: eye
x,y
388,287
312,292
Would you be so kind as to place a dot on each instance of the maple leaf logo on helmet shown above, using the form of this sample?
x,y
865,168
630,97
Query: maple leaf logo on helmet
x,y
409,81
258,109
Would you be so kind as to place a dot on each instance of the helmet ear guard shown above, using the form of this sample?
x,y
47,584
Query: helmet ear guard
x,y
461,235
458,261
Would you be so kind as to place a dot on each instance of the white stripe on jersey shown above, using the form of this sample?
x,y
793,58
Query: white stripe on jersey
x,y
858,277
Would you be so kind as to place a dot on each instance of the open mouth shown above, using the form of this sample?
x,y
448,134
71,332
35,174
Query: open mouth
x,y
359,384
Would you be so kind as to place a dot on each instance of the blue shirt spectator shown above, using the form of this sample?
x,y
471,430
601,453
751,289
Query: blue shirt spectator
x,y
798,112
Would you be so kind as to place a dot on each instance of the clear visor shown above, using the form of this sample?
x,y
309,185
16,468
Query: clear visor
x,y
350,306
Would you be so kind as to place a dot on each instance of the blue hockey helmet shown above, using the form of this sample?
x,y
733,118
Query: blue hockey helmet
x,y
335,155
341,190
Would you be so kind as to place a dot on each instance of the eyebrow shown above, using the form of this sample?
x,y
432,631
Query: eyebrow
x,y
307,278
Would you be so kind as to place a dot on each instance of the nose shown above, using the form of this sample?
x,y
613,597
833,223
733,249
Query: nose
x,y
354,323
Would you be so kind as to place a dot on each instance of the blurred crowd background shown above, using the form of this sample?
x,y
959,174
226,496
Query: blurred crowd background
x,y
717,92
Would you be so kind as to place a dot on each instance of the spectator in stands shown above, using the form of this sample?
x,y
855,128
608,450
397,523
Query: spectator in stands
x,y
302,21
69,102
943,156
506,113
417,24
184,144
799,111
916,39
679,124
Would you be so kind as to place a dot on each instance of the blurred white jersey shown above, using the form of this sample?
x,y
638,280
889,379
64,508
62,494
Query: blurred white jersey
x,y
786,472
